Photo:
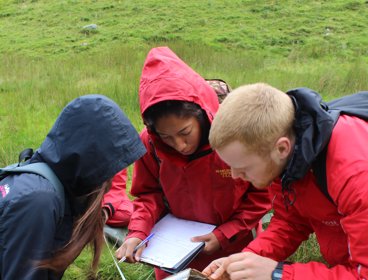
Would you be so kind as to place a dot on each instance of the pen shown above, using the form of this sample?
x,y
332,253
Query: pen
x,y
140,245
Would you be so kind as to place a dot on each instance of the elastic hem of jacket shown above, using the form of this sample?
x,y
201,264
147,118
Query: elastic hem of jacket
x,y
138,234
110,208
288,271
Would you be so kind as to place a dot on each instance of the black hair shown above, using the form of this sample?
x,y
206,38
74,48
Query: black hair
x,y
180,109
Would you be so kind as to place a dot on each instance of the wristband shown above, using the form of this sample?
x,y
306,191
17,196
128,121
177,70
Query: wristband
x,y
277,272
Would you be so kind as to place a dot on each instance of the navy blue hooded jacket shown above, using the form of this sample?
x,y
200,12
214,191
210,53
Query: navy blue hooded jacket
x,y
89,143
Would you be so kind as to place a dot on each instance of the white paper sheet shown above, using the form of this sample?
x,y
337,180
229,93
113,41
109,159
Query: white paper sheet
x,y
171,242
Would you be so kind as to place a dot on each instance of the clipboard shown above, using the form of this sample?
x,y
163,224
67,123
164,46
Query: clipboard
x,y
170,248
182,265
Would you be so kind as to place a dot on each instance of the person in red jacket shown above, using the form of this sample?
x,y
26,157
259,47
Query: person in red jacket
x,y
116,205
267,136
180,173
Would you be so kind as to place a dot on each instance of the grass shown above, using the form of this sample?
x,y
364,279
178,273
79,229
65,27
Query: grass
x,y
34,91
79,269
47,58
50,28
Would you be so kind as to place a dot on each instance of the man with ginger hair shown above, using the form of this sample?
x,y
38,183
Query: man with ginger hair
x,y
267,137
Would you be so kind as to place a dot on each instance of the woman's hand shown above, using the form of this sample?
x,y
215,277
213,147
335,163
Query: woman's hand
x,y
211,242
127,250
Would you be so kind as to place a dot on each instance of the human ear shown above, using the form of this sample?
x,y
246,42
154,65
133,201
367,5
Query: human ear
x,y
282,149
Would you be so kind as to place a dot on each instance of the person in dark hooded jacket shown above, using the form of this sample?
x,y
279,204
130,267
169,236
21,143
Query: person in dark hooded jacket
x,y
89,143
180,173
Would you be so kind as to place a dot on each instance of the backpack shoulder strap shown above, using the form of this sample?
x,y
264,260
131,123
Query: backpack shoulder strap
x,y
43,170
319,171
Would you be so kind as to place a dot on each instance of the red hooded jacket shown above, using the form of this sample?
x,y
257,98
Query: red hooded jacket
x,y
117,203
340,228
201,189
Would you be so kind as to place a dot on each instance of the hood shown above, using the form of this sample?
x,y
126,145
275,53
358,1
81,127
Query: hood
x,y
90,142
166,77
313,126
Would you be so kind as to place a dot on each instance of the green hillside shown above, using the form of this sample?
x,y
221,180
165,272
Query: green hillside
x,y
306,28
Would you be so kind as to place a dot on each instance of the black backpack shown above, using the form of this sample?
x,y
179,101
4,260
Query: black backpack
x,y
352,105
39,168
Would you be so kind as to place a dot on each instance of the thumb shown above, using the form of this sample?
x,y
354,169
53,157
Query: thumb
x,y
218,273
138,254
200,238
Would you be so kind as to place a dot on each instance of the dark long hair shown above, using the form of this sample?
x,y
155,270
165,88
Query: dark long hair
x,y
180,109
87,230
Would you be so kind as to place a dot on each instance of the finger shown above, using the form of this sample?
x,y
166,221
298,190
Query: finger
x,y
207,271
120,252
218,273
200,238
129,253
138,254
210,268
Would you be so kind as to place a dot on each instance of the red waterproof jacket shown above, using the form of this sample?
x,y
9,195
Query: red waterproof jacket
x,y
117,202
341,229
201,189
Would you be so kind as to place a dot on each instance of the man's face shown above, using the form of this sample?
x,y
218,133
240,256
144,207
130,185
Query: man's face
x,y
249,166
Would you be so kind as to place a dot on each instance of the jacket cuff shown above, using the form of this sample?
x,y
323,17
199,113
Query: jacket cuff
x,y
138,234
229,229
224,242
110,209
288,272
246,249
228,233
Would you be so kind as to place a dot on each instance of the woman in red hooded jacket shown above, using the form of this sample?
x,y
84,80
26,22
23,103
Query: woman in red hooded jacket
x,y
180,173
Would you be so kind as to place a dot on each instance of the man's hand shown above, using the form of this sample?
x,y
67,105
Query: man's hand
x,y
216,270
127,250
211,242
249,266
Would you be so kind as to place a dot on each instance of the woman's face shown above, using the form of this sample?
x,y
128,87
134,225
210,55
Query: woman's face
x,y
181,134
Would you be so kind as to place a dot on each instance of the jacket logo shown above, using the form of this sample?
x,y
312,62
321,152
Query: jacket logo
x,y
224,173
331,223
4,190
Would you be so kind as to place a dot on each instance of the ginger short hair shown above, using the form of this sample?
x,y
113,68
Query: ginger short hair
x,y
256,115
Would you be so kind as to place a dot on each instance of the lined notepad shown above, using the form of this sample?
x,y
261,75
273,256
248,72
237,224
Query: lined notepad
x,y
170,248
